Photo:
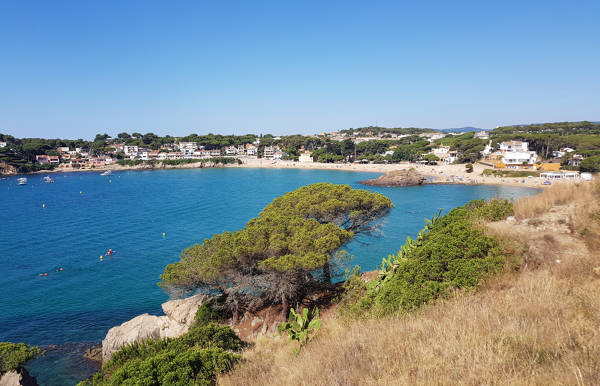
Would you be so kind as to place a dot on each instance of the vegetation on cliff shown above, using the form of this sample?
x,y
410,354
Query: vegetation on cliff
x,y
274,259
452,252
15,355
535,322
195,358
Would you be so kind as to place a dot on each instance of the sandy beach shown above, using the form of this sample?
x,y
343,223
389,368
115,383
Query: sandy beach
x,y
441,174
438,174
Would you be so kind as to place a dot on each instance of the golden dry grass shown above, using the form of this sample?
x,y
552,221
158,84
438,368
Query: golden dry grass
x,y
557,194
538,324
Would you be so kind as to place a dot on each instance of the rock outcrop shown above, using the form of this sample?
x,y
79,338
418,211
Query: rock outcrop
x,y
7,169
408,177
94,353
179,315
19,377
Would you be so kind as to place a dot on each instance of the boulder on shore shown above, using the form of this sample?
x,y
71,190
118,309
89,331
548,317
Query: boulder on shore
x,y
179,316
408,177
18,377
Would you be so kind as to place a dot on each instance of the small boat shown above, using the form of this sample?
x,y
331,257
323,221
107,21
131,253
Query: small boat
x,y
48,180
106,173
22,181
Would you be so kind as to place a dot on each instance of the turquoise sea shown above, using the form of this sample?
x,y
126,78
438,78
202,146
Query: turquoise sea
x,y
85,214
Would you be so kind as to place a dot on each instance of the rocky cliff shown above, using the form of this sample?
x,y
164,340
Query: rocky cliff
x,y
179,316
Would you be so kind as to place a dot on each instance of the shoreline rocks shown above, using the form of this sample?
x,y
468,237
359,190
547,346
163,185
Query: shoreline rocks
x,y
179,316
18,377
408,177
94,353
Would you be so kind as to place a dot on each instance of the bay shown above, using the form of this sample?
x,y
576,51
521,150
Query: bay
x,y
69,224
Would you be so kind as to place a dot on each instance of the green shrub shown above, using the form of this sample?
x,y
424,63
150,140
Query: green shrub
x,y
452,251
194,358
191,367
14,355
301,326
211,311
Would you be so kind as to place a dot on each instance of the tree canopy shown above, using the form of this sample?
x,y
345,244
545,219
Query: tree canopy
x,y
275,257
15,355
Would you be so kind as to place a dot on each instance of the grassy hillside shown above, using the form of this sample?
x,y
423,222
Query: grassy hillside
x,y
535,321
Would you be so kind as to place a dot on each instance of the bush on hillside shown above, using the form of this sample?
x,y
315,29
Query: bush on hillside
x,y
194,358
452,252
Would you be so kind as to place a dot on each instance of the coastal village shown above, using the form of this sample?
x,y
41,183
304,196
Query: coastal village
x,y
510,157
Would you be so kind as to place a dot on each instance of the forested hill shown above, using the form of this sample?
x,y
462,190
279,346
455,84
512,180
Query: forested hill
x,y
583,127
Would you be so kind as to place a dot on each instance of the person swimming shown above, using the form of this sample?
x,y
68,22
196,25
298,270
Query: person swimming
x,y
110,252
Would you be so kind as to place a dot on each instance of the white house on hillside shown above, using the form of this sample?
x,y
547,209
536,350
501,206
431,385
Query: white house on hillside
x,y
130,150
518,159
305,158
514,146
482,135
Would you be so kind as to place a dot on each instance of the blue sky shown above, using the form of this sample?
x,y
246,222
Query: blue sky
x,y
74,69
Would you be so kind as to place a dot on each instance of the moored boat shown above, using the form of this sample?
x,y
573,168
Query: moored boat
x,y
106,173
48,180
22,181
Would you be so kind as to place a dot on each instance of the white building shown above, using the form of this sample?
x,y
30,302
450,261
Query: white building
x,y
188,153
231,150
482,135
560,175
3,144
269,152
241,150
451,157
305,158
518,159
441,152
130,150
175,155
63,149
514,146
251,150
144,154
487,150
187,146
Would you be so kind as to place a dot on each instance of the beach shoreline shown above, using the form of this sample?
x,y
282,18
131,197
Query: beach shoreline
x,y
436,174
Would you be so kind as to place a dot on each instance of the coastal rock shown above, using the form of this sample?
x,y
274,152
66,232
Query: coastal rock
x,y
179,316
408,177
94,353
17,377
7,169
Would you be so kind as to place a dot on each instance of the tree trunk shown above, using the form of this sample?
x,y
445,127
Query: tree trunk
x,y
326,273
285,306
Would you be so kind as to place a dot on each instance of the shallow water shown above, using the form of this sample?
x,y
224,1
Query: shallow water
x,y
85,214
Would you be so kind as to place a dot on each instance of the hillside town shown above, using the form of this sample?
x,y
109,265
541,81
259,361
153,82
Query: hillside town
x,y
502,150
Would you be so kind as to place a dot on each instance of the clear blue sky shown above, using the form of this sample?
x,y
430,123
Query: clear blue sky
x,y
73,69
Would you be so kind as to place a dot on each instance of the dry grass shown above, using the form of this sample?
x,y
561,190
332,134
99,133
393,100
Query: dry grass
x,y
557,194
538,324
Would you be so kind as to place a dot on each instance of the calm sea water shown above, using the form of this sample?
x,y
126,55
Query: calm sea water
x,y
85,214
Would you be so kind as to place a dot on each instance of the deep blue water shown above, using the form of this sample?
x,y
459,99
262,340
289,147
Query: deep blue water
x,y
85,214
